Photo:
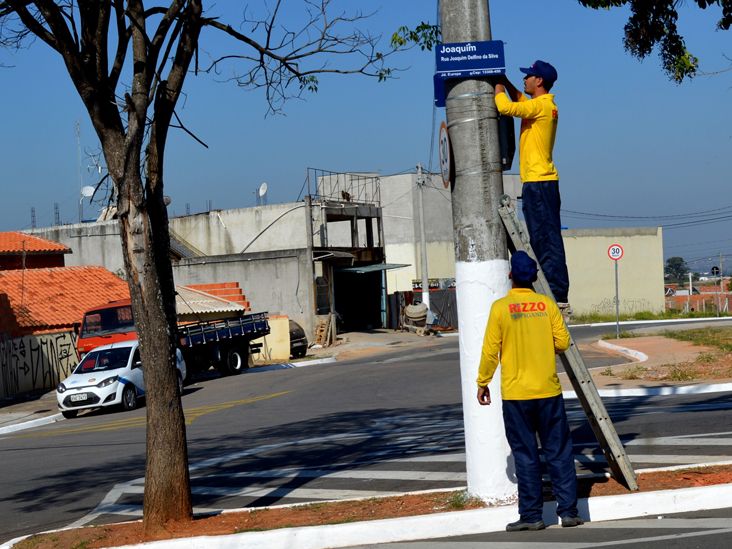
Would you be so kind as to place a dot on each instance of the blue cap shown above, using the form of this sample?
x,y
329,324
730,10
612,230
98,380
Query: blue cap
x,y
523,268
541,69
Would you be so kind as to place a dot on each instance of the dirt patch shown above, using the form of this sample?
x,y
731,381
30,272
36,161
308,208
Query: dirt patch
x,y
116,535
708,366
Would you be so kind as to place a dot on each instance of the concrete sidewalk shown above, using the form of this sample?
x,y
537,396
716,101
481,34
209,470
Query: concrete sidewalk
x,y
650,351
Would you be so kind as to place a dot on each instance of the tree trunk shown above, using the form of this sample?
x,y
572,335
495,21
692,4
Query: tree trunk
x,y
146,243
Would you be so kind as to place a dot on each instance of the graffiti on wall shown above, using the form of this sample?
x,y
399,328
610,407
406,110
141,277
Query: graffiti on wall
x,y
627,306
35,362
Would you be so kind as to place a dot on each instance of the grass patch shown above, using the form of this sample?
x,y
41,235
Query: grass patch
x,y
721,338
706,358
593,318
461,500
608,372
681,372
633,372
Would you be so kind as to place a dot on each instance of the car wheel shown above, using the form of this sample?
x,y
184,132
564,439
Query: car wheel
x,y
69,414
237,360
129,398
299,353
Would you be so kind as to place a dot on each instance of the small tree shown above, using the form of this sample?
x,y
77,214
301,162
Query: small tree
x,y
128,60
653,23
676,268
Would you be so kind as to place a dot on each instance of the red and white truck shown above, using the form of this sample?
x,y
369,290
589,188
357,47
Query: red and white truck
x,y
225,343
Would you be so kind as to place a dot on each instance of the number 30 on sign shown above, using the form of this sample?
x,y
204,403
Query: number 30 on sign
x,y
615,252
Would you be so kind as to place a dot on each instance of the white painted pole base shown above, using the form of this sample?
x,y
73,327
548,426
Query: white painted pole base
x,y
490,467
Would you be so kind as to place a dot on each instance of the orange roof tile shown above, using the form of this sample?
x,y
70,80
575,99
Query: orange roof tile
x,y
13,243
42,299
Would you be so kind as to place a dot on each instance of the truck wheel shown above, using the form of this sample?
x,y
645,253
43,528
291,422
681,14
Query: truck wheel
x,y
129,398
69,414
237,360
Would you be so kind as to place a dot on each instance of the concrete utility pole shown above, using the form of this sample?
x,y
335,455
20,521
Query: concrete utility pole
x,y
423,239
481,266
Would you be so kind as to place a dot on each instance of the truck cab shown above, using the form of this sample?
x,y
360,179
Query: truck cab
x,y
105,324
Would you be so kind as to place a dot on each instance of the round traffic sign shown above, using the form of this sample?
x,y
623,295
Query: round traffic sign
x,y
615,252
445,156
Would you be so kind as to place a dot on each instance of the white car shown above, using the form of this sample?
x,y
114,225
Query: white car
x,y
110,375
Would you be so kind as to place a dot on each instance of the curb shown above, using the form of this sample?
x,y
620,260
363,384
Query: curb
x,y
625,351
30,424
662,321
290,365
457,523
695,389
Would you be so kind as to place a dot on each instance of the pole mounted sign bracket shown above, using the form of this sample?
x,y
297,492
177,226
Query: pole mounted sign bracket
x,y
463,60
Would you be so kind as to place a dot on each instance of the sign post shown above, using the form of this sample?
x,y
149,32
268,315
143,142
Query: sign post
x,y
615,252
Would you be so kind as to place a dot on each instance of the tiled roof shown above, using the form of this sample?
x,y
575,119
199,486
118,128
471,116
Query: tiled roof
x,y
42,299
34,300
13,243
230,291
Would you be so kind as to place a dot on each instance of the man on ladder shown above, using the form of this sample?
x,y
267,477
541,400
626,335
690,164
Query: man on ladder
x,y
540,200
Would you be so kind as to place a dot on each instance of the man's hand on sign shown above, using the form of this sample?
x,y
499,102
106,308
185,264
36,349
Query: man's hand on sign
x,y
484,396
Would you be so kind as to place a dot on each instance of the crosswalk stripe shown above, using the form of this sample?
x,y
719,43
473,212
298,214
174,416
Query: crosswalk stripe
x,y
300,493
677,441
655,458
375,474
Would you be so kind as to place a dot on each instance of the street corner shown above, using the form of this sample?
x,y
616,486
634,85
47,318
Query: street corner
x,y
20,414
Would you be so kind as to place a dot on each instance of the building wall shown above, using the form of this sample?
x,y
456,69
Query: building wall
x,y
279,282
35,363
592,272
400,204
91,243
223,232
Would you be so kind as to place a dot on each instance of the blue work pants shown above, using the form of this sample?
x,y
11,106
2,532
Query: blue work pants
x,y
524,419
540,203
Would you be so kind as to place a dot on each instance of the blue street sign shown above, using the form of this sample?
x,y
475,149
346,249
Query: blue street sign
x,y
466,60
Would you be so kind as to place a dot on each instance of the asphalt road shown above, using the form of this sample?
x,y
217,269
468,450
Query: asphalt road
x,y
328,431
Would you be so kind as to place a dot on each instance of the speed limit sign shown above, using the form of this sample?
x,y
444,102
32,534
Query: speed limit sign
x,y
615,252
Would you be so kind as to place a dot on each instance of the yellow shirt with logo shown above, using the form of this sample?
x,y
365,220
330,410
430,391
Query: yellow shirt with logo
x,y
524,330
539,118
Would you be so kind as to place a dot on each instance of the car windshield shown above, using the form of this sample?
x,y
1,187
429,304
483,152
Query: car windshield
x,y
101,361
108,321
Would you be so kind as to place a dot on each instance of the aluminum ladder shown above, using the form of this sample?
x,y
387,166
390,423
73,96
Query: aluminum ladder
x,y
574,365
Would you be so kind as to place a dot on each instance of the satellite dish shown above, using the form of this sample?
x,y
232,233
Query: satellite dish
x,y
87,192
262,190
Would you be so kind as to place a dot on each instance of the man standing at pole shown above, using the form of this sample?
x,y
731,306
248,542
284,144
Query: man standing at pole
x,y
540,200
525,330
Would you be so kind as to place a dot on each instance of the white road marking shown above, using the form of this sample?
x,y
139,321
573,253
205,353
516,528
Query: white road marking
x,y
680,441
656,458
369,474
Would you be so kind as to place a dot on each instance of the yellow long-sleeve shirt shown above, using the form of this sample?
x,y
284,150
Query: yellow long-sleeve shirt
x,y
524,329
539,118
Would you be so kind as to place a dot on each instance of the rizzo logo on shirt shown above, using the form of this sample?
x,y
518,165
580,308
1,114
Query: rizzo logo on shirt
x,y
528,307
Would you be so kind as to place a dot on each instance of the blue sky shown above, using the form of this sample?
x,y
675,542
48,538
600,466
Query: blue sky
x,y
630,142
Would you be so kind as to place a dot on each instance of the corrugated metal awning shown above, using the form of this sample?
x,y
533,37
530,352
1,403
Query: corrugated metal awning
x,y
373,268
